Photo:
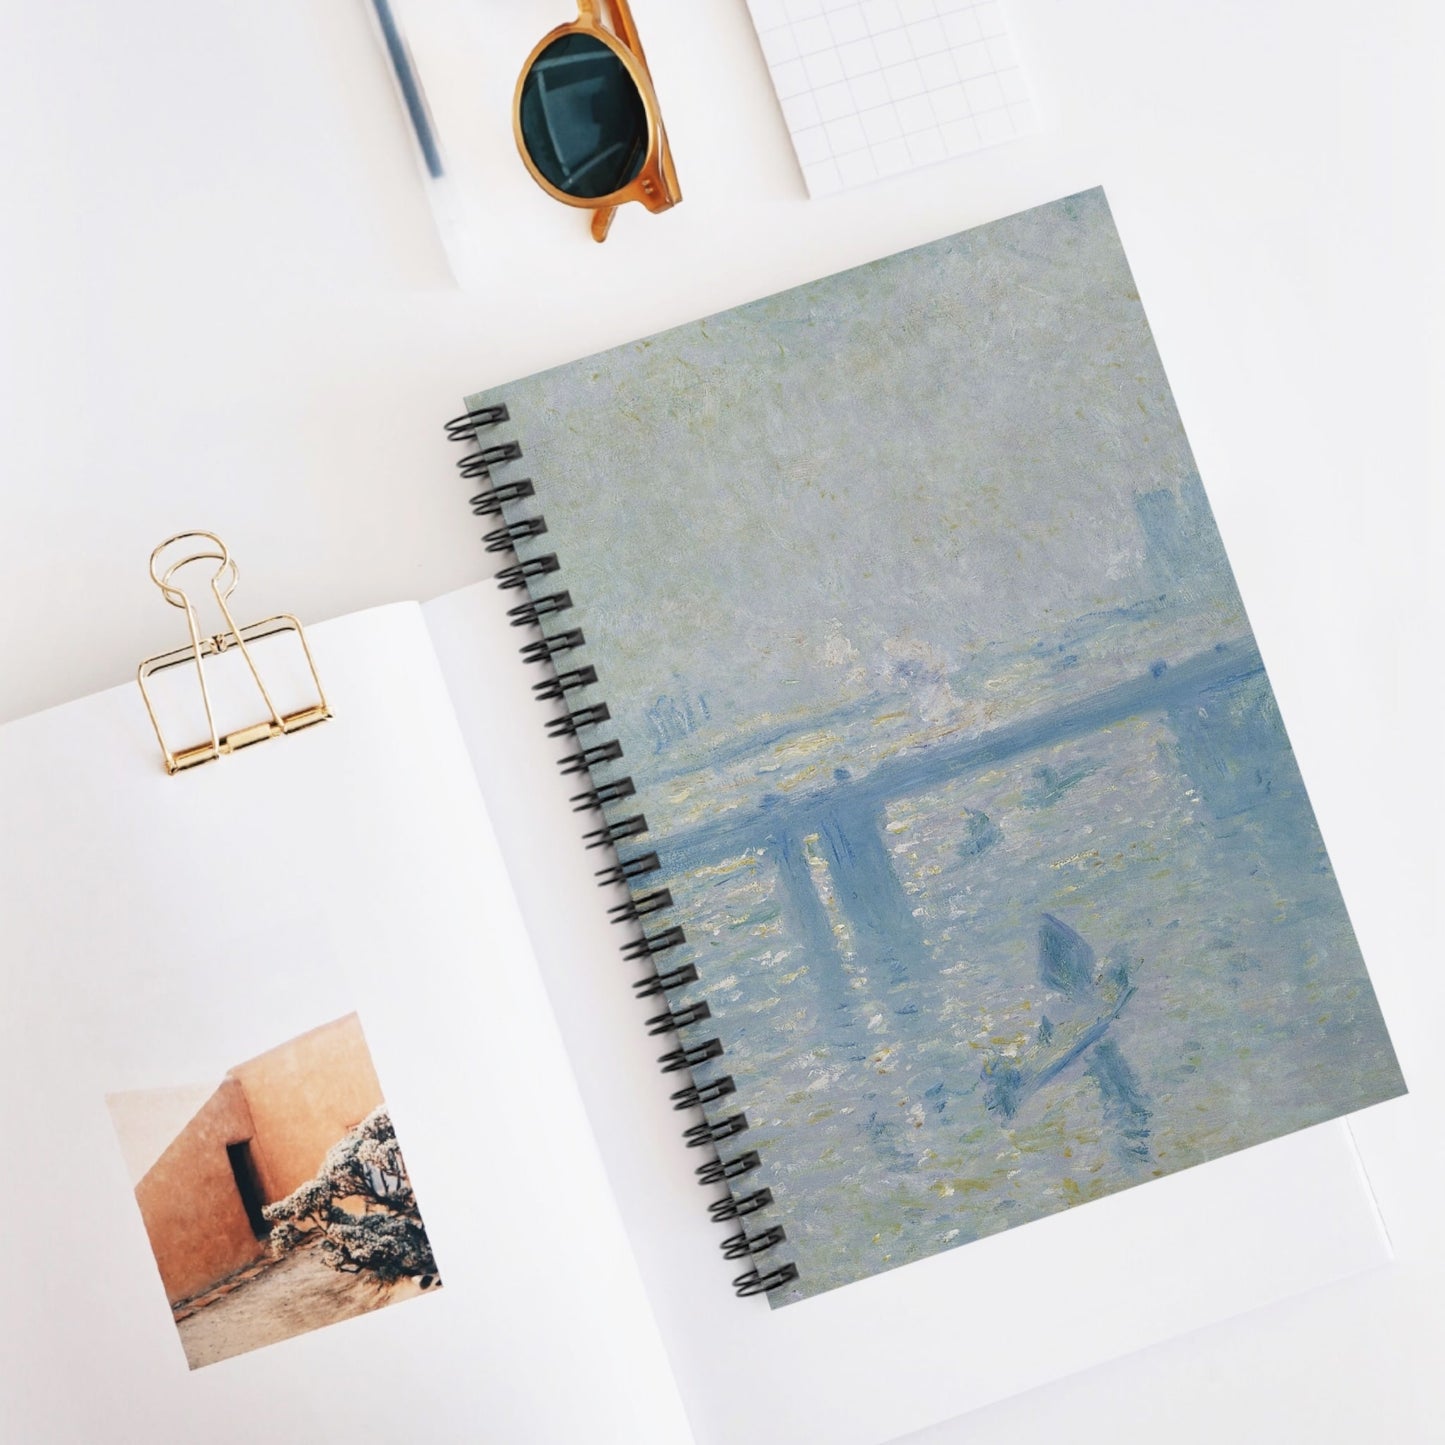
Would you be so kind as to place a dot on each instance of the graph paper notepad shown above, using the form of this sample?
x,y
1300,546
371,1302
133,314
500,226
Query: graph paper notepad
x,y
870,88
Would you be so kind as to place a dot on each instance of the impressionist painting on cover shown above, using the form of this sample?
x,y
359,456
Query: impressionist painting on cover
x,y
964,774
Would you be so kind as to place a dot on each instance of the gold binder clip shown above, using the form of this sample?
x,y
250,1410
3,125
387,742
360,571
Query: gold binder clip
x,y
223,583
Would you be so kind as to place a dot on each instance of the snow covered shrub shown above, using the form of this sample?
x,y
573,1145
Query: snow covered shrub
x,y
382,1233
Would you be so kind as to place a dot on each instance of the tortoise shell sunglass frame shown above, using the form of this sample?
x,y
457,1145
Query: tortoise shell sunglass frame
x,y
586,119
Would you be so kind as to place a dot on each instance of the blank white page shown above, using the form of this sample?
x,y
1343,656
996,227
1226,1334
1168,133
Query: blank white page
x,y
872,88
158,929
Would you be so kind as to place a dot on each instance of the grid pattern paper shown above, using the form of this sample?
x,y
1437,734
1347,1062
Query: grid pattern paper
x,y
871,88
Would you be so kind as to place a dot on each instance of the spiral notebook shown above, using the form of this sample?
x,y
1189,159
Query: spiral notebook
x,y
957,834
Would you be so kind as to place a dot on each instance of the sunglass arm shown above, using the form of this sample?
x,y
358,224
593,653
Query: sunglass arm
x,y
626,30
602,222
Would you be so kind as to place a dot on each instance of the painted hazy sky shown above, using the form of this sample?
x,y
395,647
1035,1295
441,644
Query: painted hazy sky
x,y
786,507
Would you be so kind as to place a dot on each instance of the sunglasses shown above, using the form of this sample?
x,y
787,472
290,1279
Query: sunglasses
x,y
587,121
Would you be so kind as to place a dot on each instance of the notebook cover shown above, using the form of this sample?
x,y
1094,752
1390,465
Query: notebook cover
x,y
951,733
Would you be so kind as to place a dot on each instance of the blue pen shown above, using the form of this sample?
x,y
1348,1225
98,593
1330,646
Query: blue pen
x,y
455,206
412,95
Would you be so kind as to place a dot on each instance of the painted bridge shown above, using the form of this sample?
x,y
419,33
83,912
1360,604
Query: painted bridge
x,y
847,815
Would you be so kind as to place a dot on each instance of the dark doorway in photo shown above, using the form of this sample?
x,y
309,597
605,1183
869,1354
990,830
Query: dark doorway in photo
x,y
248,1181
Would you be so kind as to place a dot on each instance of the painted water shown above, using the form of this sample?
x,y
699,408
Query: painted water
x,y
1115,955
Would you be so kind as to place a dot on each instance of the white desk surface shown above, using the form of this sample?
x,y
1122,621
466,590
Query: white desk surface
x,y
224,306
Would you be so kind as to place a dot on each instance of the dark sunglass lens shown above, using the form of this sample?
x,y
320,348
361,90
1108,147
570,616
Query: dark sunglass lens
x,y
583,122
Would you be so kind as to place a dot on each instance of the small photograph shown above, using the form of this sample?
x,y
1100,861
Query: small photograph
x,y
275,1196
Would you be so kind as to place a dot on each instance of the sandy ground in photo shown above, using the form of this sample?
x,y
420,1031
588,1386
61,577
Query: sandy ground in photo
x,y
297,1294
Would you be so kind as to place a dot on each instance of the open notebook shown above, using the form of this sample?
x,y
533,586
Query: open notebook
x,y
386,932
215,975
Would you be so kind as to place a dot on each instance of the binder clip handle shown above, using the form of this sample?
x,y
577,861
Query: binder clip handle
x,y
208,547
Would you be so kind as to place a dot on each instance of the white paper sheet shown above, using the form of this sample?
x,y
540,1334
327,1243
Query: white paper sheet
x,y
894,1353
873,88
157,930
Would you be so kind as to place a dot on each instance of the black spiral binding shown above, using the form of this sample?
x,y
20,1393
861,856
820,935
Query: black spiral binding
x,y
647,944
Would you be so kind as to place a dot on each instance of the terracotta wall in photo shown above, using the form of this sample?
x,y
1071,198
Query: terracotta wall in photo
x,y
304,1095
193,1211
